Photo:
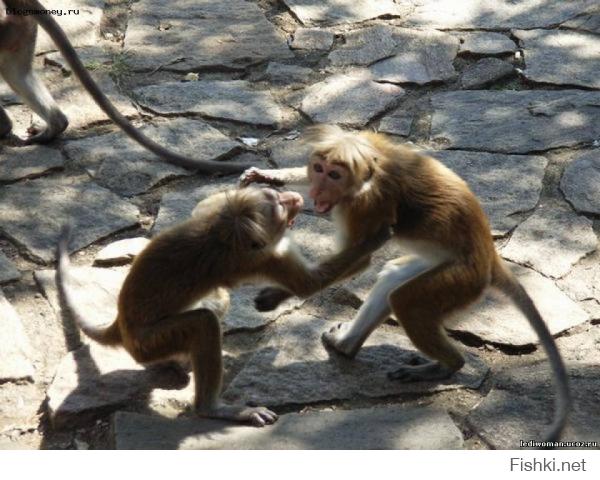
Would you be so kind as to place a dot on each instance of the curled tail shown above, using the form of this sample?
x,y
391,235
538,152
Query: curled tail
x,y
505,281
106,335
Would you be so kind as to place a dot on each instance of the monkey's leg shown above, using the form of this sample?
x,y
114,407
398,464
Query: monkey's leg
x,y
199,333
5,123
20,77
421,308
348,338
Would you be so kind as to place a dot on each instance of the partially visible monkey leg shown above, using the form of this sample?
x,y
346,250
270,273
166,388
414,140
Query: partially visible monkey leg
x,y
421,308
198,332
5,123
18,73
347,338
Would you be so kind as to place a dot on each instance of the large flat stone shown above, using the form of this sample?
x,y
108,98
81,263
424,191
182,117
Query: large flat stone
x,y
34,212
8,272
581,182
81,26
94,380
582,284
495,14
102,156
332,12
28,162
395,427
121,251
349,99
295,368
397,123
577,53
290,153
311,39
504,184
364,46
552,240
495,319
515,121
185,35
230,100
15,350
520,406
589,22
485,43
421,57
484,72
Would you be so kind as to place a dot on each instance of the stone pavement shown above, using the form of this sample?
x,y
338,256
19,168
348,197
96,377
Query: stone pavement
x,y
504,93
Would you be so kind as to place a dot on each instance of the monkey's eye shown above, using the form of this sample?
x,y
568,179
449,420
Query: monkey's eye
x,y
317,167
334,175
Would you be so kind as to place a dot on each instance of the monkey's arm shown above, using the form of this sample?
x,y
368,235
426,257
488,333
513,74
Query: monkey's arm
x,y
279,177
296,277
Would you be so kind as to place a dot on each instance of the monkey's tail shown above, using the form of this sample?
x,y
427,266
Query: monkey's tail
x,y
58,36
505,281
106,335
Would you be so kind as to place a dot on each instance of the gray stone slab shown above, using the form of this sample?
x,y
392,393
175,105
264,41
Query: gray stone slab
x,y
295,368
230,100
311,12
421,57
34,212
581,182
589,22
282,74
577,53
495,14
390,428
28,162
121,251
82,27
102,156
185,35
364,46
515,121
15,350
485,43
484,72
504,184
8,272
311,39
20,407
521,405
552,240
582,283
349,99
94,380
495,319
290,153
397,123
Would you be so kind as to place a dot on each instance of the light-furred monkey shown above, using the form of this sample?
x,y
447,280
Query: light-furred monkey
x,y
365,181
17,44
232,236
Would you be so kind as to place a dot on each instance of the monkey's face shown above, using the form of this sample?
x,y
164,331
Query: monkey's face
x,y
284,207
330,182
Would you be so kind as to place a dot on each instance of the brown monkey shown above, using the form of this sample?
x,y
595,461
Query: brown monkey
x,y
17,44
365,181
232,236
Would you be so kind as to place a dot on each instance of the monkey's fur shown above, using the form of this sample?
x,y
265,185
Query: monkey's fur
x,y
233,236
366,181
17,45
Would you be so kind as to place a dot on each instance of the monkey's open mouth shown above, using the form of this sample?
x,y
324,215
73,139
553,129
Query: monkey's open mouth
x,y
322,207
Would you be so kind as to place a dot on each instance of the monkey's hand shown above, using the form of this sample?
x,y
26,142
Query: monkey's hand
x,y
269,298
256,175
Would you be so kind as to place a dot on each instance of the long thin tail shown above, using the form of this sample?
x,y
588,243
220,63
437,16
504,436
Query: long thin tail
x,y
106,335
504,280
58,36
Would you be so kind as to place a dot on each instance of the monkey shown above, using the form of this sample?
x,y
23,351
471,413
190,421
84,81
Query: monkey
x,y
365,180
231,236
18,34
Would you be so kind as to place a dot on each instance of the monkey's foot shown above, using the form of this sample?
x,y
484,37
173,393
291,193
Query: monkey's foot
x,y
269,298
56,125
256,175
337,338
257,416
424,372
